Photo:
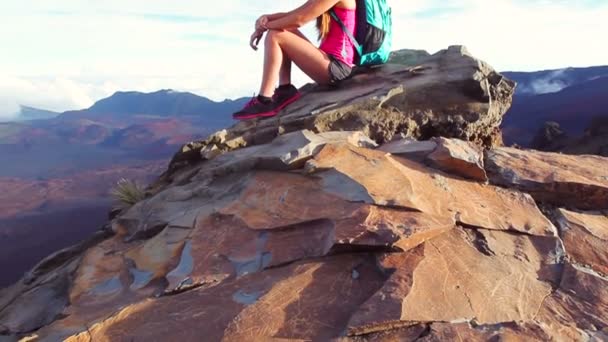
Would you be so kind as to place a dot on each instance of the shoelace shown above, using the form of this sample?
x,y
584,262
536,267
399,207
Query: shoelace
x,y
276,94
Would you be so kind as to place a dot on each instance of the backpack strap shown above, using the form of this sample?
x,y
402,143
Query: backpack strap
x,y
347,32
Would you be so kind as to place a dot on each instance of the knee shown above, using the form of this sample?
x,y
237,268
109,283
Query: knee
x,y
274,35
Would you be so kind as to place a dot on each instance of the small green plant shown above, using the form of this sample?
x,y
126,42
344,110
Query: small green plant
x,y
127,192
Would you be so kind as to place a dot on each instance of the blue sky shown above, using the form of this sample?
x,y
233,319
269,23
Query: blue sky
x,y
66,54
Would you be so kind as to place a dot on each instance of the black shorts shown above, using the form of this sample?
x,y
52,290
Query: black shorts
x,y
338,70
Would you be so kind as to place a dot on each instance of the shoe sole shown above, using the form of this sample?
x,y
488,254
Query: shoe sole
x,y
272,113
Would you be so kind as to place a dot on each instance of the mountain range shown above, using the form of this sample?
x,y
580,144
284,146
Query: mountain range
x,y
125,127
57,166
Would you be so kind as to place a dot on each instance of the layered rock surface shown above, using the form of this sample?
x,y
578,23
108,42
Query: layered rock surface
x,y
331,234
449,94
574,181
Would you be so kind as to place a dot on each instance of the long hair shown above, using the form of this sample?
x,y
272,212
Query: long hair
x,y
323,22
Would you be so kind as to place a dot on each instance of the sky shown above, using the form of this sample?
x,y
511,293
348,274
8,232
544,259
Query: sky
x,y
66,54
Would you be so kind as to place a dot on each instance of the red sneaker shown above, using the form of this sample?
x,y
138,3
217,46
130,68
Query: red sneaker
x,y
285,96
257,109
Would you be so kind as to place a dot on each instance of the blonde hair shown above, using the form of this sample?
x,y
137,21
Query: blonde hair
x,y
323,22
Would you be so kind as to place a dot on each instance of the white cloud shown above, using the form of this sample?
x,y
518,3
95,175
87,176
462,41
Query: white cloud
x,y
66,54
551,83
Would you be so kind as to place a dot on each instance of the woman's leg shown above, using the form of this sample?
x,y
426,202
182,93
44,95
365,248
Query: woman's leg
x,y
285,72
284,46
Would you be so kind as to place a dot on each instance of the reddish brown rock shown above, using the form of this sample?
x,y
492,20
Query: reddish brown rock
x,y
308,301
409,148
275,200
386,180
585,236
288,151
572,181
409,333
275,221
458,157
464,275
158,256
579,308
511,332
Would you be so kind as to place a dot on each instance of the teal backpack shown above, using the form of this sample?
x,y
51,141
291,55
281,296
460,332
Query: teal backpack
x,y
373,36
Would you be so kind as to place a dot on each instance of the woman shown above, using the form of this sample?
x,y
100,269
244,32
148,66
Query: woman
x,y
329,64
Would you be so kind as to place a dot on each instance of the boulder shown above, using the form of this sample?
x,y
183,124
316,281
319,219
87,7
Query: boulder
x,y
593,141
410,148
571,181
458,157
585,236
550,137
449,94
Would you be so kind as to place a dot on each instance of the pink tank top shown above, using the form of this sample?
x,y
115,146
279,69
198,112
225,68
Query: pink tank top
x,y
336,42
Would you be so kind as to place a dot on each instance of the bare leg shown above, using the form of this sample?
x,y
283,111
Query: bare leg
x,y
285,72
284,46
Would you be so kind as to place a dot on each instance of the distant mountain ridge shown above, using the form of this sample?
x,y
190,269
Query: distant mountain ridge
x,y
30,113
127,125
164,103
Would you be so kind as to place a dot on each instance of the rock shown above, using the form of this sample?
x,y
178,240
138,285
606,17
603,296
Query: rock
x,y
585,236
579,308
449,94
289,151
550,138
274,222
511,276
41,296
386,180
593,141
572,181
458,157
409,148
274,200
501,332
306,300
36,305
409,333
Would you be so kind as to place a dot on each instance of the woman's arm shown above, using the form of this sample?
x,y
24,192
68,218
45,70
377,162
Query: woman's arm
x,y
275,16
301,15
260,24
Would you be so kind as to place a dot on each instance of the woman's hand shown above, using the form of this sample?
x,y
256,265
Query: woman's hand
x,y
255,39
260,24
